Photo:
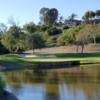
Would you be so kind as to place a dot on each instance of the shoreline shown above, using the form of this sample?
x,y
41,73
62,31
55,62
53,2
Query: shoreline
x,y
11,61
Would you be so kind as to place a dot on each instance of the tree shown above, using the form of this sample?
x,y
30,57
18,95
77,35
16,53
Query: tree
x,y
53,15
3,50
48,16
91,14
61,20
43,15
97,13
91,31
8,41
29,27
13,39
52,41
81,40
12,21
88,16
44,28
36,41
87,34
72,17
53,30
69,36
3,28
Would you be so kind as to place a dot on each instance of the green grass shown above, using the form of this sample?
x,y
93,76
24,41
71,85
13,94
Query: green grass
x,y
13,60
83,58
78,55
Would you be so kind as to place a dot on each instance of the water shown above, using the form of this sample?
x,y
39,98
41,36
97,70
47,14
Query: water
x,y
61,84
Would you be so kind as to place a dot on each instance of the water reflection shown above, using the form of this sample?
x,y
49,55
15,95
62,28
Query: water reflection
x,y
52,87
64,84
5,95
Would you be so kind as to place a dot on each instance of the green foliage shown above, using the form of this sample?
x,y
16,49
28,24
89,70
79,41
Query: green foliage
x,y
14,39
89,32
44,28
36,41
3,50
69,36
53,30
89,15
52,41
72,17
48,16
97,13
29,27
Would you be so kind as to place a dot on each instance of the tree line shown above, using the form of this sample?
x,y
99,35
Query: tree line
x,y
49,32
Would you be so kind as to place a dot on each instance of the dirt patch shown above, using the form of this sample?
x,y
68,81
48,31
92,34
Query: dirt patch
x,y
66,49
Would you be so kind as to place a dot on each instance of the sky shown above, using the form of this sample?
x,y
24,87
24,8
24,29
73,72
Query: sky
x,y
24,11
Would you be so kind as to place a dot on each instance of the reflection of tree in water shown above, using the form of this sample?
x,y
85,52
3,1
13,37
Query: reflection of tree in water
x,y
87,82
5,95
52,87
39,75
13,78
2,86
18,78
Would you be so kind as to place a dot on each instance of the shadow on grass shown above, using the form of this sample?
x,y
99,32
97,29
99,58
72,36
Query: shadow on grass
x,y
78,55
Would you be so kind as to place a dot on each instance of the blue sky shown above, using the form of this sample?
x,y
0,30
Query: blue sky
x,y
28,10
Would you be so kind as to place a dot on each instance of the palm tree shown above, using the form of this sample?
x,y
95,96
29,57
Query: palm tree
x,y
72,17
61,20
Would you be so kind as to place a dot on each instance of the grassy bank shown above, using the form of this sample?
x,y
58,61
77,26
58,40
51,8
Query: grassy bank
x,y
11,61
14,60
83,58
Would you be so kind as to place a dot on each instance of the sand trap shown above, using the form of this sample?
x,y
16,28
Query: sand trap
x,y
35,56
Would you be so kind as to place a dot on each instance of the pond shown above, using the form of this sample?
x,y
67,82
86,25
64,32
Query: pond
x,y
77,83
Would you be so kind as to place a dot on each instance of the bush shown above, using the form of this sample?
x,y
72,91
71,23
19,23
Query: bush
x,y
44,27
3,50
66,38
52,41
53,31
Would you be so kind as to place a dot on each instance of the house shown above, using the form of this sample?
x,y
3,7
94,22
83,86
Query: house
x,y
71,23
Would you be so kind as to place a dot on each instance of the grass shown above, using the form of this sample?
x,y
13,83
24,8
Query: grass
x,y
78,55
83,58
13,60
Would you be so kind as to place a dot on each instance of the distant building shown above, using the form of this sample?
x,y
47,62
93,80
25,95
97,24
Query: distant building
x,y
71,23
94,21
